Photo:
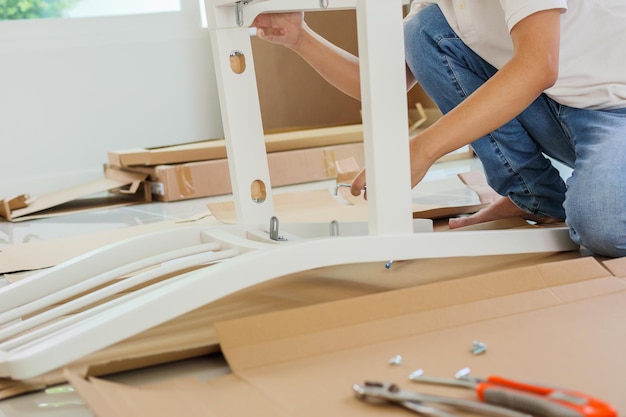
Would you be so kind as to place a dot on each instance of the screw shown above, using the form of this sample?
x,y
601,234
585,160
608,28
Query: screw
x,y
479,347
396,360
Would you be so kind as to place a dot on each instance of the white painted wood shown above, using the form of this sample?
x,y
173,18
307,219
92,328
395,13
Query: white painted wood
x,y
116,288
222,13
112,256
195,289
37,335
243,129
113,274
385,117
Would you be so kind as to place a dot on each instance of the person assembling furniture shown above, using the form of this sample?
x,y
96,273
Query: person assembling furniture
x,y
519,80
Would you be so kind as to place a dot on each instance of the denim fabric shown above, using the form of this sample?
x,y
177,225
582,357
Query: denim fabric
x,y
592,142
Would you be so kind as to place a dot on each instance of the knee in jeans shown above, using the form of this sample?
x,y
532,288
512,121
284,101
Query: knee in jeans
x,y
605,237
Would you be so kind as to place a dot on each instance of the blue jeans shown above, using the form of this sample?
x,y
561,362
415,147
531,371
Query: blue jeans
x,y
592,142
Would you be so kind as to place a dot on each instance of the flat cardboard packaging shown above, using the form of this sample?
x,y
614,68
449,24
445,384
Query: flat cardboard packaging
x,y
119,188
558,324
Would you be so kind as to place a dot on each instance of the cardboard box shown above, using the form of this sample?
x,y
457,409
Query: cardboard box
x,y
292,95
210,178
216,149
541,324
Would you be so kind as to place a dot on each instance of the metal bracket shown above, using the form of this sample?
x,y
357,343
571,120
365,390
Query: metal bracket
x,y
239,12
274,235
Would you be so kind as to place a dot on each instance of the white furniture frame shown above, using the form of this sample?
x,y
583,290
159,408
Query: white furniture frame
x,y
234,257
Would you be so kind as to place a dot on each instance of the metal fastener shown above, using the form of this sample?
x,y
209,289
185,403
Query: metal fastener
x,y
479,347
396,360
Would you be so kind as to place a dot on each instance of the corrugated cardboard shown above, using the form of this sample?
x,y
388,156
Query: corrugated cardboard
x,y
210,178
216,149
616,266
291,93
558,324
193,334
121,188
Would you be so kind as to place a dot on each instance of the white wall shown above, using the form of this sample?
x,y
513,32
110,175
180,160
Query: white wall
x,y
73,89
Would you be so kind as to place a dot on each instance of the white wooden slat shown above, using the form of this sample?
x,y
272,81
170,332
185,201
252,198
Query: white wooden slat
x,y
111,256
99,280
111,290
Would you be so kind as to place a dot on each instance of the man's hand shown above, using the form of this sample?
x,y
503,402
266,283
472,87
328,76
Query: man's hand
x,y
280,28
420,163
358,185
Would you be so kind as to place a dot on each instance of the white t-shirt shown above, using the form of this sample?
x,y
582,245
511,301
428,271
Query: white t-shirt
x,y
592,62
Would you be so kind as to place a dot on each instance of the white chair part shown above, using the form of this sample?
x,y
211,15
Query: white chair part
x,y
109,257
389,235
384,105
96,296
169,299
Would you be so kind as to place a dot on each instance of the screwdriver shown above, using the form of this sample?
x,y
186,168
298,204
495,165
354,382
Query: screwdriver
x,y
529,398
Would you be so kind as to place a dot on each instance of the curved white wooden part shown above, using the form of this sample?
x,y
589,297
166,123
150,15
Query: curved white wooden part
x,y
60,325
192,290
118,254
107,291
106,277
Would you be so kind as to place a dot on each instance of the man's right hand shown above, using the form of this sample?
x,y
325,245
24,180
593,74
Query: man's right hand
x,y
280,28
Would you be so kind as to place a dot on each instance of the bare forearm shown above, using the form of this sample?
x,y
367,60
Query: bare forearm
x,y
498,101
337,66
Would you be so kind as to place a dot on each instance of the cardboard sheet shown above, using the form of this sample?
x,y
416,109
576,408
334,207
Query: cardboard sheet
x,y
541,324
617,266
120,188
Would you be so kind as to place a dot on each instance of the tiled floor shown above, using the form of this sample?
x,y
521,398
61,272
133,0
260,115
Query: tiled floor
x,y
66,403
